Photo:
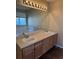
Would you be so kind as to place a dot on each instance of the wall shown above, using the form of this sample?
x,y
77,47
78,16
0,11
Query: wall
x,y
57,12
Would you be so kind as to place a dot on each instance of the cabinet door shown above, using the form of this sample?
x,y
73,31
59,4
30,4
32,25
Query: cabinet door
x,y
38,49
52,40
18,52
28,53
46,45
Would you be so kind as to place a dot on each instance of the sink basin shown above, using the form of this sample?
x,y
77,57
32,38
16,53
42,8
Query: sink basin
x,y
28,39
23,35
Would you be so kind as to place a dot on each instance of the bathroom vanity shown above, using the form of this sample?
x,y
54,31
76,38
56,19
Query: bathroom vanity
x,y
38,43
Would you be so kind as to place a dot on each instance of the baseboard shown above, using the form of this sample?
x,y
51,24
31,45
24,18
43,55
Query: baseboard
x,y
59,46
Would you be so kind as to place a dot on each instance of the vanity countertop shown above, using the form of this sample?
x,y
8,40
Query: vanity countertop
x,y
35,37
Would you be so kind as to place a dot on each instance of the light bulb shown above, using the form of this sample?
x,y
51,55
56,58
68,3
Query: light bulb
x,y
38,6
30,3
26,1
35,5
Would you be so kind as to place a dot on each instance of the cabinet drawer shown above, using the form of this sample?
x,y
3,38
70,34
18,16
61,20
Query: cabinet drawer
x,y
29,56
28,50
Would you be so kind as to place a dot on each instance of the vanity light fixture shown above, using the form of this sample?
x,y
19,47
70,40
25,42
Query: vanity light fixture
x,y
35,4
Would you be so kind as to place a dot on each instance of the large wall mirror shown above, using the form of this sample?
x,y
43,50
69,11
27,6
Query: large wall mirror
x,y
28,19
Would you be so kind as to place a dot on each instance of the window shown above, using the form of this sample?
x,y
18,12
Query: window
x,y
21,21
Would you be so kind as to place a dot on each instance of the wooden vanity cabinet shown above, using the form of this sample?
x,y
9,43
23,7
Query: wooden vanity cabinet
x,y
36,50
28,52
